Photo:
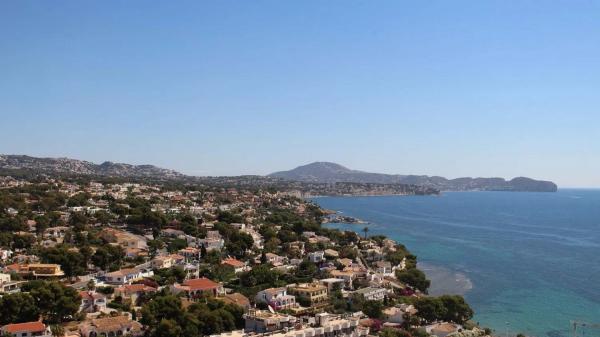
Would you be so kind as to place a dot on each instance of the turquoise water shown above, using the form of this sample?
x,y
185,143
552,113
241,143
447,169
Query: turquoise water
x,y
533,259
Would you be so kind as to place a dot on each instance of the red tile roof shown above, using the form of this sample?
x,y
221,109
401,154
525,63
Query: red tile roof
x,y
201,284
29,326
233,262
134,288
14,267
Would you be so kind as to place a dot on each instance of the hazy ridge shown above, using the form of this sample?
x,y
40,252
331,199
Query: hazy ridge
x,y
326,172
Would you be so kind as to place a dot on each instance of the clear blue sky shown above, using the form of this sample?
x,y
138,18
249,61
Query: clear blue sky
x,y
452,88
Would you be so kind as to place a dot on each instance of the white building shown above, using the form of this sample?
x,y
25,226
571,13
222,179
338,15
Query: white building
x,y
316,257
333,283
372,294
4,278
5,254
395,315
125,276
211,244
277,298
325,325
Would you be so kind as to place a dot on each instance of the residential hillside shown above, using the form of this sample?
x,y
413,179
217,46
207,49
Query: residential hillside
x,y
29,167
320,178
326,172
124,258
74,166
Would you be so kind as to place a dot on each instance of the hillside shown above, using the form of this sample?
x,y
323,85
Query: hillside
x,y
74,166
325,172
26,166
320,178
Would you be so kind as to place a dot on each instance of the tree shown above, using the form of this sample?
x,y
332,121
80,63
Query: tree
x,y
356,303
108,257
414,278
272,245
103,217
263,258
42,222
260,275
366,230
154,246
160,308
303,301
395,257
228,217
86,254
391,332
457,309
373,309
219,272
18,308
430,309
337,300
176,244
78,221
91,285
168,328
72,262
54,300
79,199
23,241
239,243
286,235
213,257
189,224
143,215
169,276
451,308
165,317
348,252
307,270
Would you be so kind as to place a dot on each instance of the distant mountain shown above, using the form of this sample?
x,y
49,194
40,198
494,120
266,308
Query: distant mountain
x,y
31,167
325,172
74,166
320,178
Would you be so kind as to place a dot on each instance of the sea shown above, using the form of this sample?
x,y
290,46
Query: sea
x,y
526,262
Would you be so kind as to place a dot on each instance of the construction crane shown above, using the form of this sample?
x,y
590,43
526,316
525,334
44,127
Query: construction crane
x,y
578,327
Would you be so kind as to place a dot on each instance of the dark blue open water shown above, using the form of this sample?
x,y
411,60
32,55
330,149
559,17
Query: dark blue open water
x,y
533,259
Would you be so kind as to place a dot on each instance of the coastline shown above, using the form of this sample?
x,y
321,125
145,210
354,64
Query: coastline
x,y
500,241
444,281
369,195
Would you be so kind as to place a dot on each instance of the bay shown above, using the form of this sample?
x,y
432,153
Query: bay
x,y
526,262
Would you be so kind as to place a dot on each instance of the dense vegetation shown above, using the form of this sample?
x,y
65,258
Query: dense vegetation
x,y
53,301
166,317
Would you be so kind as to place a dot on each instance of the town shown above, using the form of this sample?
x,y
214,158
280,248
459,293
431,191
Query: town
x,y
104,257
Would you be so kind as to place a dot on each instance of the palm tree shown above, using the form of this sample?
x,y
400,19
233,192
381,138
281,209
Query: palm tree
x,y
366,230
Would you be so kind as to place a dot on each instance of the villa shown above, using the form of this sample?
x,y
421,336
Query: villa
x,y
277,298
110,326
29,329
